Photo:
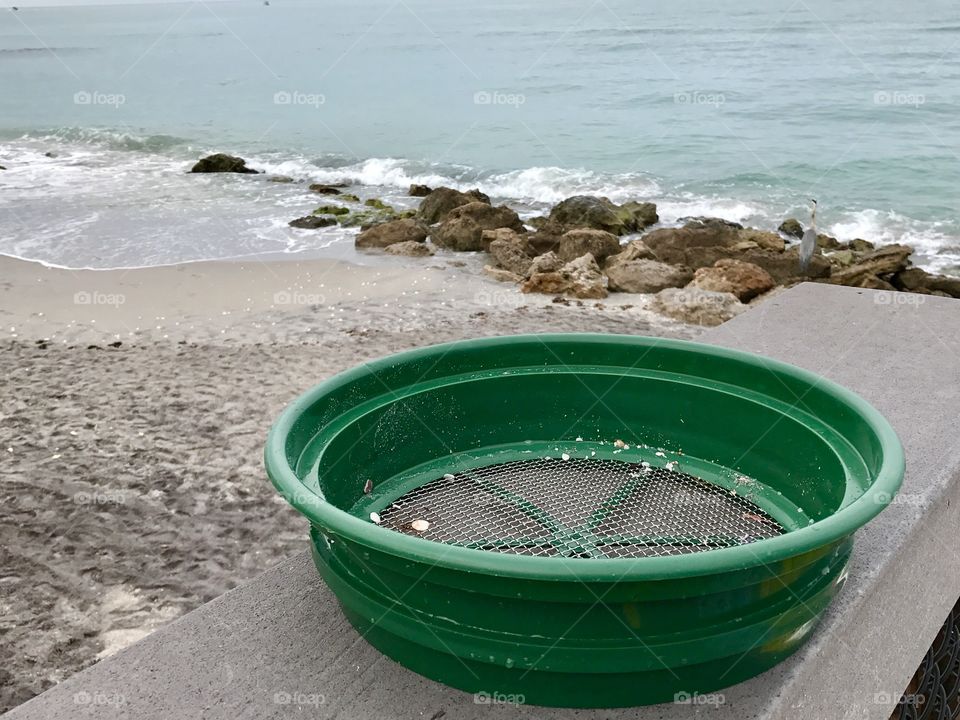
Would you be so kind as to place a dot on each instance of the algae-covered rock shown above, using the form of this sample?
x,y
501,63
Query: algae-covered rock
x,y
331,210
378,204
312,222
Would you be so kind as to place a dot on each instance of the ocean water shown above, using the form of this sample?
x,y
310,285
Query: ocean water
x,y
742,111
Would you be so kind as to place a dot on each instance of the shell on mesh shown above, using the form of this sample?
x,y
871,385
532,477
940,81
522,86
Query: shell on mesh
x,y
579,508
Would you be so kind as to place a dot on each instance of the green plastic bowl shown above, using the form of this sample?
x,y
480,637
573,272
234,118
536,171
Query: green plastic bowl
x,y
565,619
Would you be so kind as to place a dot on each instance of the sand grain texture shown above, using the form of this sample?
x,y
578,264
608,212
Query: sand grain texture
x,y
132,483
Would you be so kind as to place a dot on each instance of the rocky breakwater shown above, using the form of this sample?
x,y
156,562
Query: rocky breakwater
x,y
705,271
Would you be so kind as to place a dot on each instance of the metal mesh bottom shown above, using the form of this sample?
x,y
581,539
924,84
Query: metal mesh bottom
x,y
579,508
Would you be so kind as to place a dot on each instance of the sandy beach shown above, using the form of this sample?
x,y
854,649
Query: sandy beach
x,y
135,409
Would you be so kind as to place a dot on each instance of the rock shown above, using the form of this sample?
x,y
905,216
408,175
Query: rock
x,y
642,214
543,244
700,221
841,258
2,167
546,263
696,244
546,238
312,222
462,234
332,210
537,222
696,306
501,275
378,204
917,280
872,282
478,196
464,225
636,249
763,238
703,241
419,190
390,233
791,227
221,163
546,283
586,280
510,255
860,245
348,197
284,179
887,260
599,243
586,211
743,279
440,202
580,278
912,279
365,219
409,248
785,267
646,276
324,189
825,242
508,235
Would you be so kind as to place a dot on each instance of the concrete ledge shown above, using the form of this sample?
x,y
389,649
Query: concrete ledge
x,y
279,646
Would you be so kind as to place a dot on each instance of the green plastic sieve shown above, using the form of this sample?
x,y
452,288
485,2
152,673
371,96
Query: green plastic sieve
x,y
583,520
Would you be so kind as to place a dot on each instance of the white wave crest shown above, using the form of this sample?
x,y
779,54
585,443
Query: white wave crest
x,y
937,247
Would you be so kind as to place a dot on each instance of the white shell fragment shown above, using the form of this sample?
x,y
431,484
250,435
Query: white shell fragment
x,y
564,457
420,525
619,444
375,518
368,487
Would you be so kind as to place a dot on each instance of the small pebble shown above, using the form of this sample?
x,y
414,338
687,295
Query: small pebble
x,y
375,518
420,525
564,457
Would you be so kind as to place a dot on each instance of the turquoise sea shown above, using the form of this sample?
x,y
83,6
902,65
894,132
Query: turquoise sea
x,y
740,110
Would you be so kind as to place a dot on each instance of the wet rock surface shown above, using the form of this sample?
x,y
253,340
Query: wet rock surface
x,y
391,233
438,203
222,163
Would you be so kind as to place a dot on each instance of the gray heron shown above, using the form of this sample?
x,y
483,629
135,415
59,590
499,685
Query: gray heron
x,y
808,243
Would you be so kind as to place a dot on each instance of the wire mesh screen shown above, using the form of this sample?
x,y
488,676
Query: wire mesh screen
x,y
579,508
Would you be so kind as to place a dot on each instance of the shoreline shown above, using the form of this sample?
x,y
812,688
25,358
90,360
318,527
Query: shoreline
x,y
269,302
251,211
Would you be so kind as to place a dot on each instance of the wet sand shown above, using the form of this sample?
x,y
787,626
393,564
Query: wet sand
x,y
132,482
